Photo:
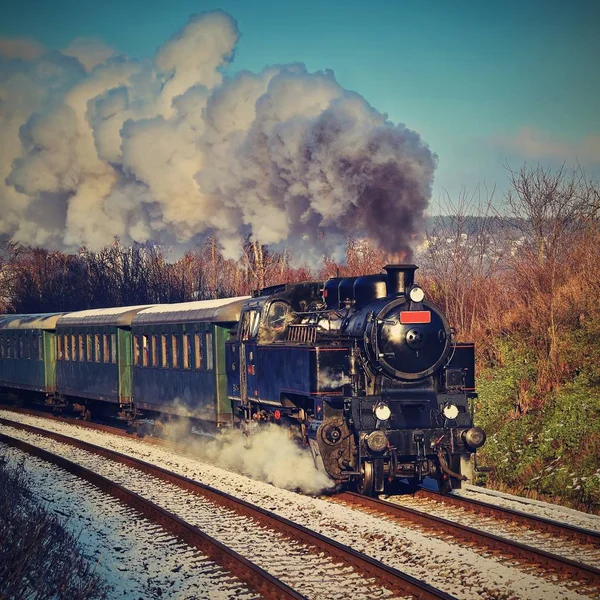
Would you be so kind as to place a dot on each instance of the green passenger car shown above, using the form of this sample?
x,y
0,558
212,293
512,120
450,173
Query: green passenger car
x,y
27,352
179,358
94,359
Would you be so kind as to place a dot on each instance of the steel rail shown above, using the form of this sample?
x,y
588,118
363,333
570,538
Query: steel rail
x,y
252,575
539,523
388,577
543,524
580,534
20,410
546,560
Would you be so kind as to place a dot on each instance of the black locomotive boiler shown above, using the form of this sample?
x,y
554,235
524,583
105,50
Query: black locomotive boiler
x,y
365,370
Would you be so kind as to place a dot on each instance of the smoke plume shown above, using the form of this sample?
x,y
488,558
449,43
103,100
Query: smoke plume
x,y
96,145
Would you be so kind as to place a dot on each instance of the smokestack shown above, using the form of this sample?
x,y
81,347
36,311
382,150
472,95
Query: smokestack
x,y
400,279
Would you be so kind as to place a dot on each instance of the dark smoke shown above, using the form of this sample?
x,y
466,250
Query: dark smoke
x,y
168,151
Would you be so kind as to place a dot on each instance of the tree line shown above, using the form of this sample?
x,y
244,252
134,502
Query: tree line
x,y
37,280
524,270
519,276
523,282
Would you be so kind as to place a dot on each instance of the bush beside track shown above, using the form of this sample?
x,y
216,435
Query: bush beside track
x,y
550,452
39,558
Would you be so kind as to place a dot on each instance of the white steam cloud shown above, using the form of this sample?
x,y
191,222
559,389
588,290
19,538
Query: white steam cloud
x,y
329,378
90,52
268,454
95,145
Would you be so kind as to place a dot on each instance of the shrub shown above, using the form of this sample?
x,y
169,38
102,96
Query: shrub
x,y
549,448
39,558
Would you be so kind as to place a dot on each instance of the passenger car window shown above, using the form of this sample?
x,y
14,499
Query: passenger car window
x,y
164,351
187,350
145,350
198,350
136,350
174,351
154,350
209,351
106,349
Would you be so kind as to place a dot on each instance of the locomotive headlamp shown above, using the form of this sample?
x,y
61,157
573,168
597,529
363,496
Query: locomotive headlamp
x,y
451,411
382,411
417,294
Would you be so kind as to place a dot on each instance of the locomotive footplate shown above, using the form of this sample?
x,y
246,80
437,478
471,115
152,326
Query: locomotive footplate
x,y
418,443
413,426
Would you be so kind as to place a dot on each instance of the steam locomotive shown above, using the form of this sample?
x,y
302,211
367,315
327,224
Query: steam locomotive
x,y
362,370
366,370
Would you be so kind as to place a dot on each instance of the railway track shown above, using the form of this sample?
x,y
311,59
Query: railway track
x,y
550,563
542,524
393,580
255,577
576,582
19,410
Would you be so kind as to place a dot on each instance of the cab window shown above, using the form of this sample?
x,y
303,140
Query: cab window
x,y
277,317
251,323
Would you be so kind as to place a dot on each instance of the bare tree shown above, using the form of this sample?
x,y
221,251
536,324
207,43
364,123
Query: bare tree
x,y
9,255
461,257
551,209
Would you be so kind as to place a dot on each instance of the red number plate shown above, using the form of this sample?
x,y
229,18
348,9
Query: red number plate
x,y
410,317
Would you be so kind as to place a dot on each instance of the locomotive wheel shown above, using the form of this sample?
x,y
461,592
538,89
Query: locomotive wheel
x,y
365,485
454,464
446,483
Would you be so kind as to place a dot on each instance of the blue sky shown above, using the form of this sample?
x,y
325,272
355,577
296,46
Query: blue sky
x,y
484,83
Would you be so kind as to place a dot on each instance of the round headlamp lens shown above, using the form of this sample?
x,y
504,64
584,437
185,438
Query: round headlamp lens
x,y
417,294
383,412
474,437
451,411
